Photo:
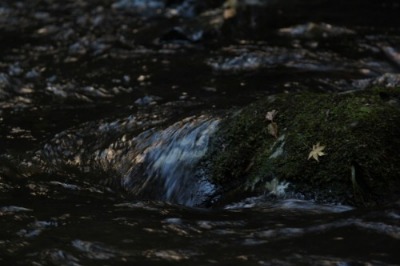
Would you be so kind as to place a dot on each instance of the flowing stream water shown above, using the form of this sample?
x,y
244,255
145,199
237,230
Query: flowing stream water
x,y
107,108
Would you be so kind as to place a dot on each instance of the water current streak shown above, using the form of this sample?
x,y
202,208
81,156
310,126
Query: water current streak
x,y
157,164
170,157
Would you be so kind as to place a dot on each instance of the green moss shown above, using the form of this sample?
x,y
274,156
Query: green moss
x,y
361,132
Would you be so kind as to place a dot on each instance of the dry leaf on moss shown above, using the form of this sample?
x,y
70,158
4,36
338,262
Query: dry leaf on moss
x,y
271,115
273,129
316,152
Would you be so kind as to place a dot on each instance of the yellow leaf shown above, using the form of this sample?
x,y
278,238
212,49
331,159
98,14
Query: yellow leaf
x,y
317,151
273,129
230,7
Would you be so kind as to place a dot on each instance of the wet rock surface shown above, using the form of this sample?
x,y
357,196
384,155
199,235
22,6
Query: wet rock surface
x,y
326,147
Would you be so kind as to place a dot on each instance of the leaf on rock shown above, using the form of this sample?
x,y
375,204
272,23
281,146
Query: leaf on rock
x,y
273,129
271,115
316,152
230,9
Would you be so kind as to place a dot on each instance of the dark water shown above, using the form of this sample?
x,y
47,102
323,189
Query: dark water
x,y
100,230
107,107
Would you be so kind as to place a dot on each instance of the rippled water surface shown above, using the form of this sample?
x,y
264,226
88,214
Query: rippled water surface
x,y
107,107
98,229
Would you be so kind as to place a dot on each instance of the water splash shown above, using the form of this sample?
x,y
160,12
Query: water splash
x,y
168,159
157,164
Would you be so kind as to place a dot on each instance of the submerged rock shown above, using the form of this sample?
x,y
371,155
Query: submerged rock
x,y
340,148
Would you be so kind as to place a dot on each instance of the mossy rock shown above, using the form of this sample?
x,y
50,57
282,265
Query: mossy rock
x,y
360,132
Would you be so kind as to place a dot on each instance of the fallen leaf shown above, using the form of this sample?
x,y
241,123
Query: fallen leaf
x,y
229,13
317,151
230,9
271,115
273,129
